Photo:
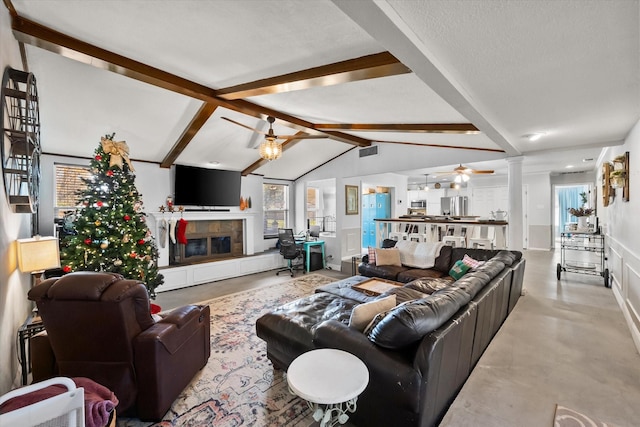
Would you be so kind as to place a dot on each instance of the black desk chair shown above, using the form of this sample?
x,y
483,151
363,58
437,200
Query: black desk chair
x,y
289,250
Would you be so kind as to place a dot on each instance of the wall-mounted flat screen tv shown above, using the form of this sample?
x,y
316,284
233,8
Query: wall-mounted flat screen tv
x,y
206,187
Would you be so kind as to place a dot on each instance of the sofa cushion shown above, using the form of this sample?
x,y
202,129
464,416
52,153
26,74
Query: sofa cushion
x,y
470,262
362,314
413,274
389,272
429,285
443,262
404,294
458,270
371,255
407,323
389,256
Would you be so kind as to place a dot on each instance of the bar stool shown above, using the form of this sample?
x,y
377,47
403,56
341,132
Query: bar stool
x,y
455,236
483,241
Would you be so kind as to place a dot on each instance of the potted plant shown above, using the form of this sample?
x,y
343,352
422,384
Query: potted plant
x,y
617,177
581,213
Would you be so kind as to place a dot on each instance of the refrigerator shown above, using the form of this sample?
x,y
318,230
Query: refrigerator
x,y
454,206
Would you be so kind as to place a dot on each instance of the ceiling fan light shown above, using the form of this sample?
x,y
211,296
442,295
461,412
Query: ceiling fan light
x,y
458,178
465,178
270,149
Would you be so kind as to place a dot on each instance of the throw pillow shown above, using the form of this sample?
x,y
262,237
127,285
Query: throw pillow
x,y
372,255
472,263
362,314
458,270
389,256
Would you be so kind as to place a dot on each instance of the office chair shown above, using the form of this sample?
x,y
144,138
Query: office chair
x,y
289,250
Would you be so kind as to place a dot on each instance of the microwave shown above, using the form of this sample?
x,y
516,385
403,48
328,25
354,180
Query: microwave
x,y
418,203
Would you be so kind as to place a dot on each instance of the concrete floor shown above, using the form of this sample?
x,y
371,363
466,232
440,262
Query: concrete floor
x,y
566,342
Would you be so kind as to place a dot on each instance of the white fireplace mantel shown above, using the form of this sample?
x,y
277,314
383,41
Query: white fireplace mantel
x,y
248,219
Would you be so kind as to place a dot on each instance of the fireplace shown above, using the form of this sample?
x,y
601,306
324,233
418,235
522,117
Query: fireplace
x,y
209,240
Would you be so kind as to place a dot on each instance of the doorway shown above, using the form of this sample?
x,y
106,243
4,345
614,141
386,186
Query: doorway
x,y
566,197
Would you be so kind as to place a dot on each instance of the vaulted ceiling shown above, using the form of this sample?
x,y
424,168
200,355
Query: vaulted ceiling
x,y
441,76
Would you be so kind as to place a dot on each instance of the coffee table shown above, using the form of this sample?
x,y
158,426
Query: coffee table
x,y
330,381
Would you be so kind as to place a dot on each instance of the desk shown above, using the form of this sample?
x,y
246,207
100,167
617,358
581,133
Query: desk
x,y
306,245
331,378
28,329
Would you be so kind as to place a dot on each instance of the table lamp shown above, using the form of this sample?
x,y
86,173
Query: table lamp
x,y
37,254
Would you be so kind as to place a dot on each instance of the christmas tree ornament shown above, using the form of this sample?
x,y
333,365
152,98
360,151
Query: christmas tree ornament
x,y
126,218
87,241
126,238
104,244
181,233
141,242
66,269
98,157
99,203
97,223
109,172
117,262
133,255
118,151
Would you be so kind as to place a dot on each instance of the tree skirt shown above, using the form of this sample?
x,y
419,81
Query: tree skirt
x,y
238,387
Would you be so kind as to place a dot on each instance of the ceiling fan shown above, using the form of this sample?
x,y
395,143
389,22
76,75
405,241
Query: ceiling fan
x,y
270,148
271,134
462,173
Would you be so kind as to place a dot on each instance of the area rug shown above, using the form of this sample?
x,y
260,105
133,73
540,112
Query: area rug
x,y
566,417
238,386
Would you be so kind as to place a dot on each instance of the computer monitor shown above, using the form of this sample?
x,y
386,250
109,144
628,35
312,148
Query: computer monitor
x,y
314,231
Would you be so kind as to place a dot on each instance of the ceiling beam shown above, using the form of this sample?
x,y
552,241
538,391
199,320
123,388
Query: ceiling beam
x,y
201,117
366,67
286,144
38,35
451,128
455,147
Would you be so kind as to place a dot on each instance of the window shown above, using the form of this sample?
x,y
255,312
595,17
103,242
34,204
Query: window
x,y
68,185
276,208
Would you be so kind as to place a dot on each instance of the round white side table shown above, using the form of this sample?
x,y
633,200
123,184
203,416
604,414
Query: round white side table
x,y
330,381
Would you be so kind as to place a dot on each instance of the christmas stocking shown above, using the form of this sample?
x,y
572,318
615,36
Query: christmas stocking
x,y
163,232
182,228
172,230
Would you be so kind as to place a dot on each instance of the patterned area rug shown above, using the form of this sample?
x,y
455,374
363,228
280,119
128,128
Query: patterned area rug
x,y
238,387
566,417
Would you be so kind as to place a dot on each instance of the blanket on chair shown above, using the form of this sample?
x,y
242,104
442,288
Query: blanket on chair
x,y
418,255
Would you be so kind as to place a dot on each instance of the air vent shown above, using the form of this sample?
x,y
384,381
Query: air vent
x,y
369,151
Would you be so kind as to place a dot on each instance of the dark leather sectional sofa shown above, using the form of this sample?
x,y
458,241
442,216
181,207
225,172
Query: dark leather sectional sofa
x,y
421,353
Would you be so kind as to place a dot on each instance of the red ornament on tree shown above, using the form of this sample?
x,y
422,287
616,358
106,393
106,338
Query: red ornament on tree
x,y
109,172
133,255
87,241
126,217
99,203
141,242
98,157
66,269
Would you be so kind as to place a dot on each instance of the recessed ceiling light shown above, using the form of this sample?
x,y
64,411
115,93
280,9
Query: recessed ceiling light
x,y
214,162
534,136
589,159
569,166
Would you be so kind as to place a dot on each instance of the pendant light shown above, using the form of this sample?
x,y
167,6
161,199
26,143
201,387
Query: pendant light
x,y
426,182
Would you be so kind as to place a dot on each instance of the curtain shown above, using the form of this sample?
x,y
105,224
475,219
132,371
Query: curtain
x,y
569,197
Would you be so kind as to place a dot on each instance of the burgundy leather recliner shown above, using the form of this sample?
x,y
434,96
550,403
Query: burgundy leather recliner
x,y
99,326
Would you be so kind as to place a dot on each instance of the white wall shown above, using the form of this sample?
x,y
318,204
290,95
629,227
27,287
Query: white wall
x,y
620,222
14,285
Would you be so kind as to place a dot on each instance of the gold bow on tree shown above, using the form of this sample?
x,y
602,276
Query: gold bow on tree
x,y
118,150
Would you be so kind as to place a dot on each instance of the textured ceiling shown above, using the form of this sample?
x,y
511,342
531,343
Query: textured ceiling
x,y
567,68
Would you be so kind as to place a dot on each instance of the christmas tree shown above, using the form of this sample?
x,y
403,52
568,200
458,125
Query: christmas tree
x,y
110,224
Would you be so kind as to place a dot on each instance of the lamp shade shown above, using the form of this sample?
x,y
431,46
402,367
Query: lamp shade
x,y
270,149
38,254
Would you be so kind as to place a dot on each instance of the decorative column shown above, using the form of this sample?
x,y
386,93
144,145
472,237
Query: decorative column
x,y
515,218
